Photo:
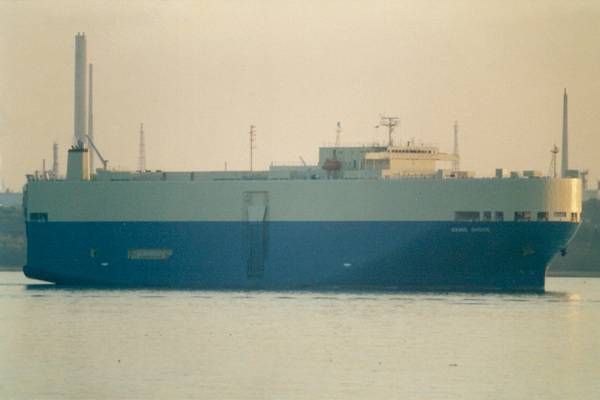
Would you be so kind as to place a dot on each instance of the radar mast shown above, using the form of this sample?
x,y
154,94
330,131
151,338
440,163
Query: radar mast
x,y
390,123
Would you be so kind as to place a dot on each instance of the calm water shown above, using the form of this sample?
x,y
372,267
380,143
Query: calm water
x,y
62,344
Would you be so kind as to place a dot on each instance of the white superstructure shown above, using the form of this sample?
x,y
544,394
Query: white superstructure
x,y
396,183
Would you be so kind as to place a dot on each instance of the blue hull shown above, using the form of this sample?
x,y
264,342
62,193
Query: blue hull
x,y
296,255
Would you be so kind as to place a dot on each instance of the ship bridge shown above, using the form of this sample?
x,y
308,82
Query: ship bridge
x,y
397,161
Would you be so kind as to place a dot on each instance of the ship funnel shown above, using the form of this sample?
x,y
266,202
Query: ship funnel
x,y
80,111
78,163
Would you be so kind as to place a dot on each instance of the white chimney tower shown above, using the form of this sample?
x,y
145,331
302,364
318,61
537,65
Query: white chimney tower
x,y
55,160
80,113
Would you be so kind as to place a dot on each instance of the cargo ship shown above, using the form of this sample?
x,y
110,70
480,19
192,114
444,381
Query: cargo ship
x,y
373,216
364,217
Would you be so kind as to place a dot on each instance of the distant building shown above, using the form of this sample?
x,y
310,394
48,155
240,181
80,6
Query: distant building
x,y
589,194
8,199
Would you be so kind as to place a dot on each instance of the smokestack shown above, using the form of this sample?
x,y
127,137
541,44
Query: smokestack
x,y
55,160
90,124
565,136
80,89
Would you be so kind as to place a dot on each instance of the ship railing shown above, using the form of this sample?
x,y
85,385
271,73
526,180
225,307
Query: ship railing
x,y
354,144
379,144
42,176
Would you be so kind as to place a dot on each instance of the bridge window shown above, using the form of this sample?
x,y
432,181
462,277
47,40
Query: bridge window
x,y
149,254
470,216
574,217
499,216
487,216
522,216
560,214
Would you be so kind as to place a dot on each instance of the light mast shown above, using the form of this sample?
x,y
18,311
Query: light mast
x,y
252,134
456,163
142,150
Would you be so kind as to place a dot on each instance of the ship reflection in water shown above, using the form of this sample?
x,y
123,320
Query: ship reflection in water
x,y
86,343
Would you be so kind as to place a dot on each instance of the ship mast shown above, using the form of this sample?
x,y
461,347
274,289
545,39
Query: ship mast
x,y
252,134
338,134
390,123
142,150
554,152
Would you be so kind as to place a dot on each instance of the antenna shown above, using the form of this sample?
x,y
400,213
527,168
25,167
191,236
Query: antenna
x,y
252,145
554,152
456,163
390,123
142,153
338,133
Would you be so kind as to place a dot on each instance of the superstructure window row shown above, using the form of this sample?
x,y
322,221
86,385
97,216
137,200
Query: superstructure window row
x,y
519,216
474,216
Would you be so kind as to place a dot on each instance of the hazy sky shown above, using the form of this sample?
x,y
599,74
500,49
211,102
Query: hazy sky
x,y
198,73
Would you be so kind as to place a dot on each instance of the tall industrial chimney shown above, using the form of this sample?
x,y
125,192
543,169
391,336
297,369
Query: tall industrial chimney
x,y
80,89
565,137
55,160
90,125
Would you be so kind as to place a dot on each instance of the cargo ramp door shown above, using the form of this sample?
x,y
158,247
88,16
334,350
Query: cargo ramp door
x,y
256,206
